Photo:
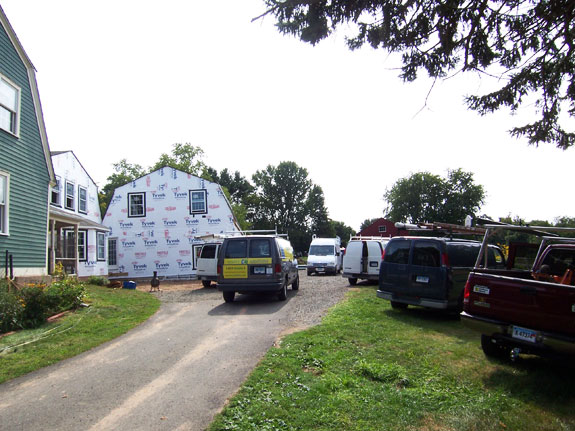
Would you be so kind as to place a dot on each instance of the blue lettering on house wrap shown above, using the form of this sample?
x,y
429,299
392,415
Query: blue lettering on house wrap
x,y
180,195
128,244
152,243
128,225
192,221
158,196
90,263
170,223
184,265
162,266
140,267
214,221
172,241
146,224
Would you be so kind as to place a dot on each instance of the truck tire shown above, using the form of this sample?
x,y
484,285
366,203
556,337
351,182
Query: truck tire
x,y
352,281
282,295
295,284
493,350
398,305
206,283
229,296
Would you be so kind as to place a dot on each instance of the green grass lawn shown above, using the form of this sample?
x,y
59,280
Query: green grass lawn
x,y
112,313
368,367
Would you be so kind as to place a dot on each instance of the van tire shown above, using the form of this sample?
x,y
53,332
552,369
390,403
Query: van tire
x,y
229,296
295,284
493,350
352,281
206,283
282,295
398,305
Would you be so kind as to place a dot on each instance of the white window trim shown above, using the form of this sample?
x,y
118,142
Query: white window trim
x,y
382,229
6,231
205,210
113,263
83,257
143,194
103,248
85,210
15,133
73,200
58,189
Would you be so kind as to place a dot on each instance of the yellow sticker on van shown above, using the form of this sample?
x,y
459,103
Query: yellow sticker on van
x,y
235,271
250,261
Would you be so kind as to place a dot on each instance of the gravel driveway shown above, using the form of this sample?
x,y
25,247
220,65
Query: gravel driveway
x,y
175,371
308,305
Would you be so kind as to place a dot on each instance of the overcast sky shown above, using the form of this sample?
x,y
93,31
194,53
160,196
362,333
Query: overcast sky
x,y
128,79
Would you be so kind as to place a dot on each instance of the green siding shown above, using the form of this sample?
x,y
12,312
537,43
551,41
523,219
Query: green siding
x,y
23,158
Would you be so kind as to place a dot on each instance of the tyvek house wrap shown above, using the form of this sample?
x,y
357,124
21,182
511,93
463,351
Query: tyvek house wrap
x,y
166,237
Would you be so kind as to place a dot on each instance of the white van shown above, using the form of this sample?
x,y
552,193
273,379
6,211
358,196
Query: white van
x,y
362,258
324,256
207,263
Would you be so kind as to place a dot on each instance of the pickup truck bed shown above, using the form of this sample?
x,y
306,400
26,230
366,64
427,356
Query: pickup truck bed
x,y
514,311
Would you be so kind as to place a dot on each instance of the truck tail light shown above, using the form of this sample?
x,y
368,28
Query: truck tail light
x,y
219,269
445,259
278,268
466,292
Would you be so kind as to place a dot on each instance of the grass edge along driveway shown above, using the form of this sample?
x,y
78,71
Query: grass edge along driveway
x,y
368,367
112,312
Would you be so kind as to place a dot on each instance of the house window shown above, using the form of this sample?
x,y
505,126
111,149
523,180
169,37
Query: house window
x,y
3,203
112,251
9,101
136,205
70,192
382,229
82,245
82,200
101,245
56,192
198,202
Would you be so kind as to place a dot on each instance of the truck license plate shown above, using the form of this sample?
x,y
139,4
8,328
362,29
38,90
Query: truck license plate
x,y
422,279
524,334
259,269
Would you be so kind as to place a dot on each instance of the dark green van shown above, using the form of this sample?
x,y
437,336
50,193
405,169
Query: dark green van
x,y
257,264
430,272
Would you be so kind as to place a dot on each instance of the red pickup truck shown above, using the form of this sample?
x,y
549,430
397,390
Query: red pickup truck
x,y
525,311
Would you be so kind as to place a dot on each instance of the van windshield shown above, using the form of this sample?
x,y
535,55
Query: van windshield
x,y
321,250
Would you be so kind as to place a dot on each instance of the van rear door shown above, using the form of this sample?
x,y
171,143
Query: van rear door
x,y
394,275
427,278
374,252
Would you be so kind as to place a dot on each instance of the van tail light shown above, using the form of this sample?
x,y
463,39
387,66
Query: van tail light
x,y
383,254
278,268
219,269
466,292
445,259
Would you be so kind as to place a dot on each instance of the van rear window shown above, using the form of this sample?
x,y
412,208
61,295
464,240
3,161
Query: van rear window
x,y
237,249
397,252
426,254
208,251
260,248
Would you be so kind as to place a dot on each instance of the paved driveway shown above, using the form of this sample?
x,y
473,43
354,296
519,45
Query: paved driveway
x,y
174,372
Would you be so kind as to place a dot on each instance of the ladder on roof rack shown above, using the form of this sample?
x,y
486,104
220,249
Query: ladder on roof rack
x,y
447,228
367,238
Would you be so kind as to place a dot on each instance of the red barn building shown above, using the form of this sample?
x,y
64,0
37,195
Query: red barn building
x,y
382,227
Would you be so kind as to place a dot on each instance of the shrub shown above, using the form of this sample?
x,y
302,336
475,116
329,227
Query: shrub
x,y
11,310
65,294
35,307
97,280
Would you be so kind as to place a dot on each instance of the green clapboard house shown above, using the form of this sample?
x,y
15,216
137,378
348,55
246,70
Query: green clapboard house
x,y
26,171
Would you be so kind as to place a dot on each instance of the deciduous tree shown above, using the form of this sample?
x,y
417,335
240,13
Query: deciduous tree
x,y
424,197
